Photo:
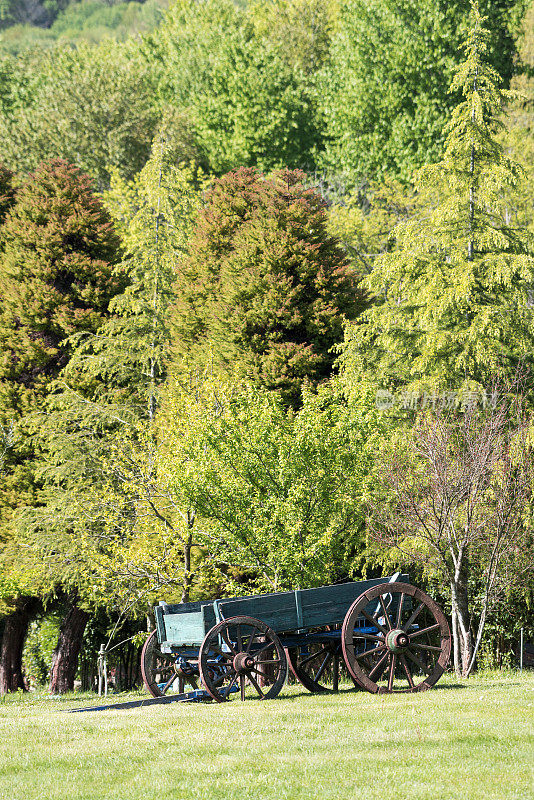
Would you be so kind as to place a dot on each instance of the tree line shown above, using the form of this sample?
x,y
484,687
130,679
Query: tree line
x,y
194,328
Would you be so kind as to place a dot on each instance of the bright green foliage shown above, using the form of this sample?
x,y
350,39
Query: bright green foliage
x,y
452,302
91,106
385,87
126,359
251,102
278,496
265,288
365,223
55,279
99,449
519,121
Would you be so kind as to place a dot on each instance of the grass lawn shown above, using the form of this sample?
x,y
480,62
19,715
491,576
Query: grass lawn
x,y
469,741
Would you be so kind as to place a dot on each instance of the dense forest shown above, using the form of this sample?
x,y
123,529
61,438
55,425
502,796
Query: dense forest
x,y
248,251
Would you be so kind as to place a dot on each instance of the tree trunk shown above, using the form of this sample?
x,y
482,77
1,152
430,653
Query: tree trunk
x,y
15,630
65,656
460,603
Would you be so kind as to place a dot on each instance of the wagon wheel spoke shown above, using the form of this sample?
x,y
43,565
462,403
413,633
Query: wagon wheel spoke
x,y
413,617
370,636
265,647
169,683
230,686
396,655
241,635
424,630
158,668
264,663
407,671
367,653
313,655
256,685
251,639
306,660
399,610
391,677
323,666
379,667
425,647
374,622
220,652
386,615
224,635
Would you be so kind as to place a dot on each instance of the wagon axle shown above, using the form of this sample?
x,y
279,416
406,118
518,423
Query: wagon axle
x,y
397,641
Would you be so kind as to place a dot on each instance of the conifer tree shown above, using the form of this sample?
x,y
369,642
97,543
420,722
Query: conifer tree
x,y
264,290
109,388
452,302
56,278
126,358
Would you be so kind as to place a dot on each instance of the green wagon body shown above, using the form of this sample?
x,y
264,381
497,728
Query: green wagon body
x,y
303,609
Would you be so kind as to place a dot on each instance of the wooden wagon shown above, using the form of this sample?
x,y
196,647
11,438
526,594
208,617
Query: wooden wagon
x,y
383,634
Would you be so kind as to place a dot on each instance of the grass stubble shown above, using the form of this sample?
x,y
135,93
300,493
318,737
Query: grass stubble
x,y
472,740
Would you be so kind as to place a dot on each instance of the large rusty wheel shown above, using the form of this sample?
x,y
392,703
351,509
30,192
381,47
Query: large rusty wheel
x,y
167,673
242,655
395,638
316,664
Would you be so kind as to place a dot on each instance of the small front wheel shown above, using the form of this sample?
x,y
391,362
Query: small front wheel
x,y
167,673
242,655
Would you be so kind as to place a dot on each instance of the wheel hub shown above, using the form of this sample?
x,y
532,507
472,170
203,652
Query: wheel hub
x,y
243,662
397,641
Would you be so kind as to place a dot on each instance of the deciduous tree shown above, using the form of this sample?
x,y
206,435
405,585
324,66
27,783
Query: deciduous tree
x,y
454,495
55,279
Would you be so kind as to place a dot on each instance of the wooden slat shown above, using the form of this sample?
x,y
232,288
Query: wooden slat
x,y
187,623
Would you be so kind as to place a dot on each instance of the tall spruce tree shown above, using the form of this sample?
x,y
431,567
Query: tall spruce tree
x,y
56,278
453,302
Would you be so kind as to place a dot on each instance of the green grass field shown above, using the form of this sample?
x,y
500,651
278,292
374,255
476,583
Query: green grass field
x,y
469,741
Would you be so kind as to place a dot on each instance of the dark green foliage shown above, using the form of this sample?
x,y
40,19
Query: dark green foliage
x,y
55,279
7,191
265,289
55,272
386,88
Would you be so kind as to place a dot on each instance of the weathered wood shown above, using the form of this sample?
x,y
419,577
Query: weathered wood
x,y
188,623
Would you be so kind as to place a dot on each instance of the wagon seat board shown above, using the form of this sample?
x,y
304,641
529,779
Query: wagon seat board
x,y
301,609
